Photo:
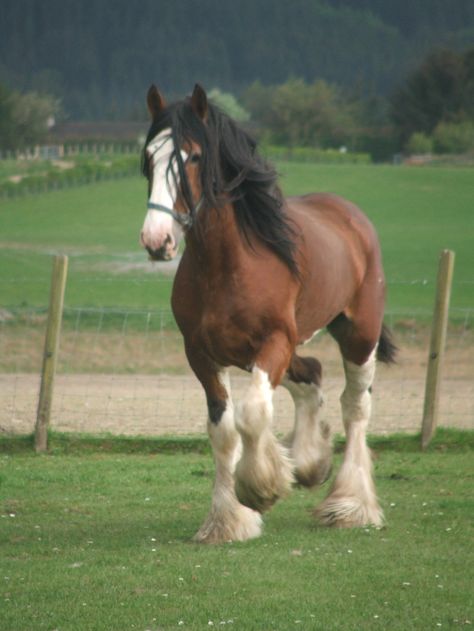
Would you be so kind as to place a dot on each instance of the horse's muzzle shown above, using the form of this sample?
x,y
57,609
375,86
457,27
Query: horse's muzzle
x,y
165,253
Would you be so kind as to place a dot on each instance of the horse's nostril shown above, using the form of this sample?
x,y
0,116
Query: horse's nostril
x,y
160,254
168,239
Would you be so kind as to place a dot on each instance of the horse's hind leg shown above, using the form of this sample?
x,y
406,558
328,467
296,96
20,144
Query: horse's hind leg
x,y
264,472
310,440
352,500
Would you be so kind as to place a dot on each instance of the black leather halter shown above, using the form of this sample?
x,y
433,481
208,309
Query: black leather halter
x,y
185,220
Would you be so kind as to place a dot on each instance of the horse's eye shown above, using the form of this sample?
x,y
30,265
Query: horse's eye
x,y
195,157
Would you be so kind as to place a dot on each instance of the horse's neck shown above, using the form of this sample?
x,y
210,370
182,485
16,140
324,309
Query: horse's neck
x,y
215,244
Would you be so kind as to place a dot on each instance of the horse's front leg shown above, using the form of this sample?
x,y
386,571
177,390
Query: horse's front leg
x,y
264,472
228,519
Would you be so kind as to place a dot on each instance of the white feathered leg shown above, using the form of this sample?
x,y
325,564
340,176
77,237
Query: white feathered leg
x,y
228,519
352,500
310,440
264,472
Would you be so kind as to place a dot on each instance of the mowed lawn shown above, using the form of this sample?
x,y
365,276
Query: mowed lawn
x,y
417,212
103,541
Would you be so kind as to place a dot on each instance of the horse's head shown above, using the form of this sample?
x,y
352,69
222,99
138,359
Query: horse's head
x,y
172,167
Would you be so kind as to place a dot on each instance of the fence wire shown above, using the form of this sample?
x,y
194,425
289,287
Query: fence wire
x,y
124,372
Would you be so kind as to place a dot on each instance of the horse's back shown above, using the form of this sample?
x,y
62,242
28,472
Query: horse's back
x,y
315,211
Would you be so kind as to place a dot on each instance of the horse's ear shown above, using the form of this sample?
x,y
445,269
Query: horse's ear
x,y
155,101
199,102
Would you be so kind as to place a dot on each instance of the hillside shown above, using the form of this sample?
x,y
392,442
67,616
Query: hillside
x,y
100,57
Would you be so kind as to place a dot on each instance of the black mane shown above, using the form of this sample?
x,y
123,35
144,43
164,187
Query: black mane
x,y
230,168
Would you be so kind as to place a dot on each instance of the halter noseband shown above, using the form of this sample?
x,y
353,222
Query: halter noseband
x,y
184,220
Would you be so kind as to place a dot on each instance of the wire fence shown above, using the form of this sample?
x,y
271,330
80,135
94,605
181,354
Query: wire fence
x,y
124,371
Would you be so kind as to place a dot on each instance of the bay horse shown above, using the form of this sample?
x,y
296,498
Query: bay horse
x,y
260,275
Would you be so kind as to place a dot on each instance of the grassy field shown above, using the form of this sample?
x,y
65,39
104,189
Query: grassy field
x,y
417,212
98,537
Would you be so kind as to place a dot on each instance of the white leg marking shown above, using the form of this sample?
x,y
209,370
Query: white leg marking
x,y
310,441
352,500
264,472
228,520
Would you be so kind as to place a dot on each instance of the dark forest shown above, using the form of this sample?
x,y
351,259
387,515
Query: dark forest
x,y
99,57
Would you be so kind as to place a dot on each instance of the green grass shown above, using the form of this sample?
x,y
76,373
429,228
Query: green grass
x,y
417,212
102,540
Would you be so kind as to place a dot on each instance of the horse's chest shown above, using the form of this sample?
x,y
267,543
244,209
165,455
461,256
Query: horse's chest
x,y
226,342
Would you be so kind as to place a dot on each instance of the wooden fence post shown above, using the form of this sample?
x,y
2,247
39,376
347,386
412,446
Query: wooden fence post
x,y
437,346
51,347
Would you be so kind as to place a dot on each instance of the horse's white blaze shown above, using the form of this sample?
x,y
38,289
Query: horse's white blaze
x,y
228,519
159,228
352,500
264,471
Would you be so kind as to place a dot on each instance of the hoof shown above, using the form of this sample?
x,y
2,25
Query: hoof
x,y
348,512
253,498
259,485
314,475
238,524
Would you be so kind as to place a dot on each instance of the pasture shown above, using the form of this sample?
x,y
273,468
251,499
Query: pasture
x,y
417,212
96,536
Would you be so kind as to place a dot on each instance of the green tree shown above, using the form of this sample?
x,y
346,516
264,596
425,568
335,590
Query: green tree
x,y
299,114
24,118
434,93
7,130
419,143
454,137
228,104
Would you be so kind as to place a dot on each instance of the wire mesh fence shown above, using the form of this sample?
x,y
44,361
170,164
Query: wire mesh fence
x,y
124,371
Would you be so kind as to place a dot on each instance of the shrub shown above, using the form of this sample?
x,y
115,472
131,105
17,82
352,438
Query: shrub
x,y
420,143
313,154
86,170
454,137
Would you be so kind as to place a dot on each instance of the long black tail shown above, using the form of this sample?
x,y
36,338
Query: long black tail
x,y
386,350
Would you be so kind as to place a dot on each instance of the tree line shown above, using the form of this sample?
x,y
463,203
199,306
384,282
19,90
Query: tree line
x,y
100,57
431,110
